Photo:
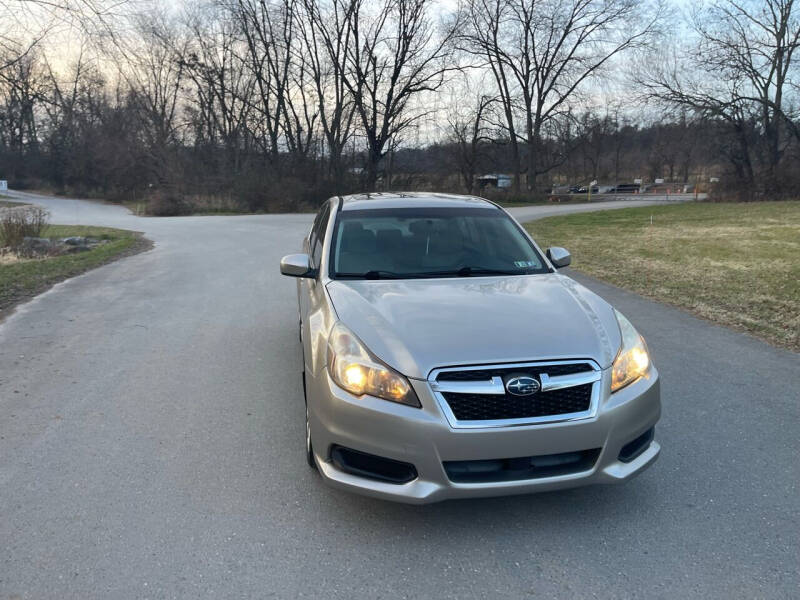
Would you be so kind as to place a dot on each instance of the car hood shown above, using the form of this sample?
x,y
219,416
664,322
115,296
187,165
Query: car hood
x,y
418,325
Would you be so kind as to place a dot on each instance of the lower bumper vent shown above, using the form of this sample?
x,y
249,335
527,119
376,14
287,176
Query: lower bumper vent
x,y
515,469
634,449
371,466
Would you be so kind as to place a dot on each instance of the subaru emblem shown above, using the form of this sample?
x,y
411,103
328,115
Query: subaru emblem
x,y
522,385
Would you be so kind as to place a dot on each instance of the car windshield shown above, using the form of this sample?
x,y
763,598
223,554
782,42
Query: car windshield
x,y
410,243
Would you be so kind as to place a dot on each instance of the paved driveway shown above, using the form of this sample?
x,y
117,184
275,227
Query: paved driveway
x,y
151,446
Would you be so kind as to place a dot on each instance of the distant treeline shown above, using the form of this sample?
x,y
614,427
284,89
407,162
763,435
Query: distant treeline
x,y
252,105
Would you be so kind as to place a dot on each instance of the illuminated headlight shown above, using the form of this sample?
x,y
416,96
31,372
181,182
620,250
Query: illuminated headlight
x,y
354,369
633,360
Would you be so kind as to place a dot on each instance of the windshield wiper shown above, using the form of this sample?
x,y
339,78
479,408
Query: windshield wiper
x,y
373,274
470,271
467,271
462,272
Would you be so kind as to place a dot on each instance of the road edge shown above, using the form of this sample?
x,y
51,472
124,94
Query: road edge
x,y
141,244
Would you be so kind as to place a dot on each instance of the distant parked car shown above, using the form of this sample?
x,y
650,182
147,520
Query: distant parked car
x,y
560,189
626,188
495,180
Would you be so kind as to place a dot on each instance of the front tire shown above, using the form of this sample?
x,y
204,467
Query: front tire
x,y
309,446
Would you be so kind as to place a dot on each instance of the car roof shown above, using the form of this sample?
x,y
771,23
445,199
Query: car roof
x,y
379,200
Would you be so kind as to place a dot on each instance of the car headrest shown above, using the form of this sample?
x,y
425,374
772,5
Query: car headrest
x,y
447,238
420,227
389,239
358,240
352,227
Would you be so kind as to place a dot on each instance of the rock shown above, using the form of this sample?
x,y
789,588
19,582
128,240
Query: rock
x,y
36,245
74,241
75,249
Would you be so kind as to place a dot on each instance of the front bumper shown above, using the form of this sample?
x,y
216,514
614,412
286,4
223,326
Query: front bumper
x,y
423,438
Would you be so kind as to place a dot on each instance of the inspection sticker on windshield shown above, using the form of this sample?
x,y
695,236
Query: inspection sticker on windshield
x,y
524,263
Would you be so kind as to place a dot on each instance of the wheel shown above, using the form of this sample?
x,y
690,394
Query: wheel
x,y
309,447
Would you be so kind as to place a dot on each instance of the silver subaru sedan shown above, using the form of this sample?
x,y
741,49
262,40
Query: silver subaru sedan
x,y
444,356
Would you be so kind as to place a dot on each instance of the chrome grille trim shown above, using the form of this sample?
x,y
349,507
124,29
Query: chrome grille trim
x,y
565,381
495,386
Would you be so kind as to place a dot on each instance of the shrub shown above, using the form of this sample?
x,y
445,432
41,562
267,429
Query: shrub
x,y
167,204
18,223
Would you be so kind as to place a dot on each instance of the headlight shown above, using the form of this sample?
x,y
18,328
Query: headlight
x,y
354,369
633,360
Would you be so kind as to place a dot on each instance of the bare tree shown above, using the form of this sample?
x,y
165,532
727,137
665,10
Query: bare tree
x,y
152,65
285,114
223,84
673,147
22,87
394,54
540,52
468,132
326,38
595,133
26,23
740,70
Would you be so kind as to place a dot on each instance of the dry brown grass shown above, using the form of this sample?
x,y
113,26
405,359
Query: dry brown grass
x,y
11,259
18,223
735,264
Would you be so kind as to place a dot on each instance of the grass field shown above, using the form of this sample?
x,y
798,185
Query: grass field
x,y
24,278
735,264
4,203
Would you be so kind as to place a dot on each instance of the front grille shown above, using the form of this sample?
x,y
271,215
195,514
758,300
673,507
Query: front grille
x,y
490,407
478,397
533,370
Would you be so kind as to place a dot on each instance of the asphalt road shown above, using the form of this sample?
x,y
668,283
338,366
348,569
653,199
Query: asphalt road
x,y
151,446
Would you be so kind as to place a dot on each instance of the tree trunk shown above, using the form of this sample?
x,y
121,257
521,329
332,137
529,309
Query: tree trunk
x,y
372,172
516,164
531,175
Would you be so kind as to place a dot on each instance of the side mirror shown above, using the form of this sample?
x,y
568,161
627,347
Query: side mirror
x,y
296,265
560,257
